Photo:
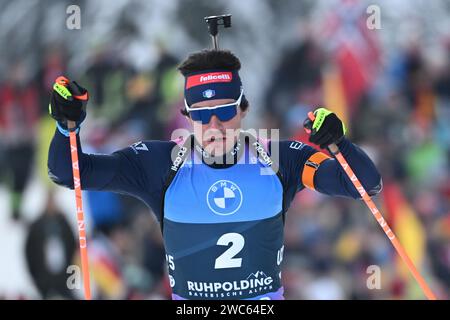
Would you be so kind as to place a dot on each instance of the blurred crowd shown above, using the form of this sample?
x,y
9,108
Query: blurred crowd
x,y
393,95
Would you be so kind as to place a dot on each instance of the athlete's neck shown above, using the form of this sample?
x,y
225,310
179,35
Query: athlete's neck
x,y
223,161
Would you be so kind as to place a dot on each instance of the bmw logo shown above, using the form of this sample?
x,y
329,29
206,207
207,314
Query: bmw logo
x,y
224,197
209,93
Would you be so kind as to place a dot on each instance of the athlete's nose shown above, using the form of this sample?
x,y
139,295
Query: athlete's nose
x,y
215,123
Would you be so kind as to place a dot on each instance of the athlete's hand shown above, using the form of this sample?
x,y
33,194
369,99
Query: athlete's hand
x,y
324,127
68,101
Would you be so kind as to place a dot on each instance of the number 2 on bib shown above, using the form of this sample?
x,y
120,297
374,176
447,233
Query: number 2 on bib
x,y
227,259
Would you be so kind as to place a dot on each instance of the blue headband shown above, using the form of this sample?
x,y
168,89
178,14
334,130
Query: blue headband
x,y
212,84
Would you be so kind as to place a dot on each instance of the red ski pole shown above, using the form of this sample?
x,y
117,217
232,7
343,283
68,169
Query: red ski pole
x,y
78,198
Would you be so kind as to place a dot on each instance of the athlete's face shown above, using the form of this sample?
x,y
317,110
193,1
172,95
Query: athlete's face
x,y
217,137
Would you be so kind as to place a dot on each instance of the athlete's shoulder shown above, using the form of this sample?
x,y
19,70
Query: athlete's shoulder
x,y
152,158
149,152
290,153
293,154
293,145
151,147
292,148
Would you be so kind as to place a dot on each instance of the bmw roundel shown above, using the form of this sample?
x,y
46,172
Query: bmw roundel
x,y
224,197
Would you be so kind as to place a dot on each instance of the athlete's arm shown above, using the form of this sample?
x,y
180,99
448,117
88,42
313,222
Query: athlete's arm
x,y
325,174
303,166
122,171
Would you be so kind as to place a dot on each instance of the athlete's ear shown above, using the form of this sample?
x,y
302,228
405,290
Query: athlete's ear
x,y
243,113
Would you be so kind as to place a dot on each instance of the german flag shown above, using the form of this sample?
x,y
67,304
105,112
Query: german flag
x,y
410,232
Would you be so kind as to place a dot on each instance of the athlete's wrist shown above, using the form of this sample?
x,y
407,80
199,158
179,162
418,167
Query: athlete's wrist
x,y
62,128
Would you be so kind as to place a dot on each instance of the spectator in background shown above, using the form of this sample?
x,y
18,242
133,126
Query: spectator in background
x,y
108,75
49,250
150,93
19,111
297,78
53,63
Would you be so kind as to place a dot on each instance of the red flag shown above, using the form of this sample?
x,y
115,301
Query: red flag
x,y
354,48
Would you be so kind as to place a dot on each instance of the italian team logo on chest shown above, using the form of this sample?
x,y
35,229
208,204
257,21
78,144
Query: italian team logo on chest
x,y
224,197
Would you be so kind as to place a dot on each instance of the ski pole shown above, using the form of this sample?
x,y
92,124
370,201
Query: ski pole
x,y
78,198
